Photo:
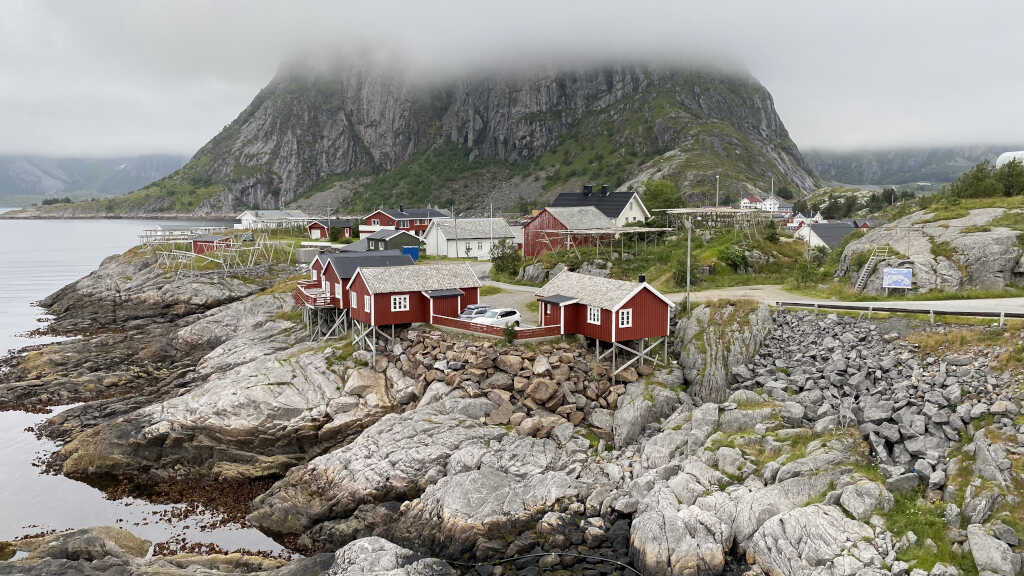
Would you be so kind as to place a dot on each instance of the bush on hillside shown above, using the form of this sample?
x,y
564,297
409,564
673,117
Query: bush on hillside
x,y
986,181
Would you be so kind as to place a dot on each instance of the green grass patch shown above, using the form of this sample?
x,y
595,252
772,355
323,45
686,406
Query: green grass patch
x,y
489,290
532,306
294,316
912,512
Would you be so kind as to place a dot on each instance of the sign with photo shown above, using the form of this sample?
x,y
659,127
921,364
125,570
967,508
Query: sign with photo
x,y
898,278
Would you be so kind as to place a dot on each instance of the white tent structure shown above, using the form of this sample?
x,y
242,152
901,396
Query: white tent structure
x,y
1007,157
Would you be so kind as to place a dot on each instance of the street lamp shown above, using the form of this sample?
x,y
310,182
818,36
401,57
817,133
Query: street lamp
x,y
716,190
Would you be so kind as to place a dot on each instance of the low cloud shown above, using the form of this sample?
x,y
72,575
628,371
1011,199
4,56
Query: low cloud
x,y
102,78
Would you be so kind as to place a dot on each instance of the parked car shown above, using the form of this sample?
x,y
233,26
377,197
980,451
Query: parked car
x,y
499,317
474,311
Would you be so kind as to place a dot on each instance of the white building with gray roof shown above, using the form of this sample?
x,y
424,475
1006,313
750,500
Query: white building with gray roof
x,y
466,237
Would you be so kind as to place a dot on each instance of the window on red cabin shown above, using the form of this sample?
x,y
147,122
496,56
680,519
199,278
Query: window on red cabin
x,y
400,303
375,222
593,315
366,302
625,318
352,300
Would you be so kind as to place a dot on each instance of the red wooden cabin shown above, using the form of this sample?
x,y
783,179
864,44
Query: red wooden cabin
x,y
210,243
548,230
321,229
330,273
604,309
404,295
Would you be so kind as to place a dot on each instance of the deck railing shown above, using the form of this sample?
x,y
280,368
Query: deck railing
x,y
312,295
521,333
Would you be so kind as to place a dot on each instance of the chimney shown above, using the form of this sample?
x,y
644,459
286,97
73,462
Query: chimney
x,y
604,189
588,189
401,208
642,279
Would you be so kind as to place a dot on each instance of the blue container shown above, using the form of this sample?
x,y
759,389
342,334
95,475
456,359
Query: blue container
x,y
412,251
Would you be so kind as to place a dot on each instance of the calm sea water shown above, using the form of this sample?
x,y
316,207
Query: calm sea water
x,y
36,258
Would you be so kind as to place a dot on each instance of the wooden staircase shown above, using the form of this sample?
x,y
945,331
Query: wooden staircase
x,y
878,254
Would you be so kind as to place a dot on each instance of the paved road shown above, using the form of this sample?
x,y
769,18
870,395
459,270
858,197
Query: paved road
x,y
775,293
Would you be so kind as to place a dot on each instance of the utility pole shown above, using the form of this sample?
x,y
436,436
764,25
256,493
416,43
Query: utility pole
x,y
716,190
689,226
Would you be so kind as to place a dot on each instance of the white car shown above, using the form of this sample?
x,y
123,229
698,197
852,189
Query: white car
x,y
499,317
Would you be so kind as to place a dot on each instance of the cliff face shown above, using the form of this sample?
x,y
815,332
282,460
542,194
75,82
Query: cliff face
x,y
364,137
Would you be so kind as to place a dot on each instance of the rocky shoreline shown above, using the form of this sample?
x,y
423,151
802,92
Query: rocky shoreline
x,y
779,442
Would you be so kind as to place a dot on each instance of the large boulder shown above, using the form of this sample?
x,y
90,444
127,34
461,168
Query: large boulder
x,y
818,539
715,340
991,554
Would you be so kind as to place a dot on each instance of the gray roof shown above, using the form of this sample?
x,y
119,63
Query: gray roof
x,y
415,213
832,233
444,293
212,237
581,217
336,222
610,204
360,245
387,234
345,264
590,290
419,278
557,299
472,228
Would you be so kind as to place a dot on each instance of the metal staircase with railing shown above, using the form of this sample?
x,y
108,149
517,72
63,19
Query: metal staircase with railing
x,y
878,254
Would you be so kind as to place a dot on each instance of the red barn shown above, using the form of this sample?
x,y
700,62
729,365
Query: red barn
x,y
611,311
404,295
414,220
547,230
210,243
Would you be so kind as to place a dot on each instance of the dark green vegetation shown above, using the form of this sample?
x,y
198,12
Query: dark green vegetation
x,y
725,259
506,259
983,186
358,140
914,513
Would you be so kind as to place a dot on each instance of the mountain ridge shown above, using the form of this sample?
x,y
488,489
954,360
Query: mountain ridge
x,y
364,137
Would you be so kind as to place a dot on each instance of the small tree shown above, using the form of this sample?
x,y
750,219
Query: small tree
x,y
509,332
505,258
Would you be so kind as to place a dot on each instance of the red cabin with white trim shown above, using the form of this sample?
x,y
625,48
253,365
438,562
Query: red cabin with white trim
x,y
604,309
210,243
405,295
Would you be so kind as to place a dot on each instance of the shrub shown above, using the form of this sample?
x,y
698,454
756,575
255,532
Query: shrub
x,y
509,331
734,257
506,258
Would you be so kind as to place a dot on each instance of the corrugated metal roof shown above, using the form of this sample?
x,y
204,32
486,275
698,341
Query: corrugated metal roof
x,y
589,290
581,217
212,237
832,233
444,293
345,265
274,214
337,222
419,278
473,228
610,205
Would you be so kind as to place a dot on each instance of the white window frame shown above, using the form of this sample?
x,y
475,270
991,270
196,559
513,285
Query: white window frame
x,y
626,318
366,302
353,299
480,246
550,308
592,313
400,303
375,222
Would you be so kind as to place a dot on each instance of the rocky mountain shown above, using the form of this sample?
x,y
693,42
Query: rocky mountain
x,y
356,137
900,166
29,179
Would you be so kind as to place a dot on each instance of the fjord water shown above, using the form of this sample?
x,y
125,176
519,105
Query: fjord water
x,y
37,257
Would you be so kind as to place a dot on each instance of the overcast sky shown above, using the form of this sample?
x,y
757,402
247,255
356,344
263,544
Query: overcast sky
x,y
101,78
